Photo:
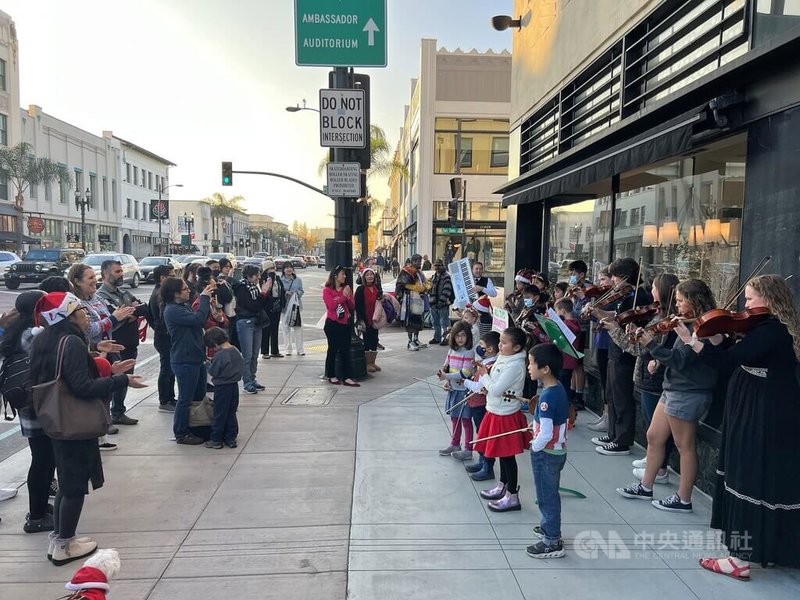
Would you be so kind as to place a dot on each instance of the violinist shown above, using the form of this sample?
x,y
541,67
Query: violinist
x,y
560,291
648,374
577,281
527,318
760,448
688,391
619,383
600,343
514,301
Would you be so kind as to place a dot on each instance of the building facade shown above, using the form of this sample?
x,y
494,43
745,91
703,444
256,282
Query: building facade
x,y
10,129
456,125
143,175
191,226
663,130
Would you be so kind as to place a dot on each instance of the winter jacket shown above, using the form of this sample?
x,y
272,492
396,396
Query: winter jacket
x,y
338,306
643,380
251,301
156,316
686,371
365,298
507,375
185,328
442,294
125,332
277,295
292,284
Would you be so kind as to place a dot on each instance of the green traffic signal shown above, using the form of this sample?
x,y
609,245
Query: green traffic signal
x,y
227,173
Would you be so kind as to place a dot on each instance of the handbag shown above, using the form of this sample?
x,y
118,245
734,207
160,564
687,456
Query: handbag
x,y
416,305
379,320
62,415
201,412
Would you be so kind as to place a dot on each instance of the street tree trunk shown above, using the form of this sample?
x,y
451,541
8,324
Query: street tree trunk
x,y
19,206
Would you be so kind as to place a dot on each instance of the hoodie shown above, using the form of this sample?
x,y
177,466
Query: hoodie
x,y
507,375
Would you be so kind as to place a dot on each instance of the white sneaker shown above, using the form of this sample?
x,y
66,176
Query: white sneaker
x,y
639,474
639,463
66,551
601,425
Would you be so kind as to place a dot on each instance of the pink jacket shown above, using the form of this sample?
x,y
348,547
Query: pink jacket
x,y
333,301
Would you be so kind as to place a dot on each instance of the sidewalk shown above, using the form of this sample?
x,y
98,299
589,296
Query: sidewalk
x,y
350,499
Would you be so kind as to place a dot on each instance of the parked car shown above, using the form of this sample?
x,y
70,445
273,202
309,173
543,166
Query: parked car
x,y
149,263
241,259
298,262
187,259
321,261
6,260
39,264
311,261
229,255
279,260
131,274
260,255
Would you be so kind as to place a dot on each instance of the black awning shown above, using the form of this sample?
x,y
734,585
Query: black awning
x,y
10,237
668,139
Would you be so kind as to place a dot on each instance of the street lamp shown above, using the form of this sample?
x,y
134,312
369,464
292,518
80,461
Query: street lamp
x,y
161,210
82,201
298,108
188,223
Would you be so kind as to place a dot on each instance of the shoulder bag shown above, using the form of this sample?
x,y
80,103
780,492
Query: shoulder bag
x,y
62,415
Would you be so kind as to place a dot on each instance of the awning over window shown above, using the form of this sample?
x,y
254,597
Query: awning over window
x,y
10,237
668,139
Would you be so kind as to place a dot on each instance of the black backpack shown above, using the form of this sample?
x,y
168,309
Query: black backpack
x,y
15,383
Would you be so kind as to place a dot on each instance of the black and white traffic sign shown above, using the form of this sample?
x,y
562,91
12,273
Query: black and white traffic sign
x,y
344,180
341,119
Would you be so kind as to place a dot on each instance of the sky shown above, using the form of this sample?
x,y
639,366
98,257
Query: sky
x,y
202,81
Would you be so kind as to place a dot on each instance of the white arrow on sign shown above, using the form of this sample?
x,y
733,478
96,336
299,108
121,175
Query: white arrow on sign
x,y
370,28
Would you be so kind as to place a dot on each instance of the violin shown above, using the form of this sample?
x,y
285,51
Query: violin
x,y
720,320
638,315
592,291
662,326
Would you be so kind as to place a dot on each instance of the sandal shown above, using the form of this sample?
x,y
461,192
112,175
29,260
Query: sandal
x,y
334,381
741,573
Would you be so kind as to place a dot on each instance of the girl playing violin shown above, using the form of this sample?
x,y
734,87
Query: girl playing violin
x,y
514,302
756,494
600,343
688,391
648,374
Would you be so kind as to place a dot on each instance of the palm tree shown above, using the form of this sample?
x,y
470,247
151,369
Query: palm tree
x,y
381,156
222,208
19,166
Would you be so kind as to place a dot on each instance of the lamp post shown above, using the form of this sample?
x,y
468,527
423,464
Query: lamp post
x,y
162,210
298,108
82,201
188,223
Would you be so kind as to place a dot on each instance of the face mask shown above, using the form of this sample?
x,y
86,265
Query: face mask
x,y
480,351
528,302
573,279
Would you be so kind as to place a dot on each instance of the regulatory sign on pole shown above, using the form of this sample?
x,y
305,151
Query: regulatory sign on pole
x,y
341,33
341,119
344,180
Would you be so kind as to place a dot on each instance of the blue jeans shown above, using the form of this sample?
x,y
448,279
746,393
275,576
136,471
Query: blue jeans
x,y
440,317
249,331
225,427
546,478
191,378
649,401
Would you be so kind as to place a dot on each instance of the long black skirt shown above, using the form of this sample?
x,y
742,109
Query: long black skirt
x,y
77,463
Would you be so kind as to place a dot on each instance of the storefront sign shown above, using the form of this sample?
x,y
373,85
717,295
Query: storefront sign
x,y
104,237
35,224
73,238
159,209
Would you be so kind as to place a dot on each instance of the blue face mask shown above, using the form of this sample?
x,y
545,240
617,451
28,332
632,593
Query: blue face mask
x,y
573,279
480,351
528,302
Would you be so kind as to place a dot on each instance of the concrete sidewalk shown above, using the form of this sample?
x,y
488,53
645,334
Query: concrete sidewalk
x,y
350,499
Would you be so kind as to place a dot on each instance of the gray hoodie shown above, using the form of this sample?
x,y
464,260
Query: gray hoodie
x,y
686,372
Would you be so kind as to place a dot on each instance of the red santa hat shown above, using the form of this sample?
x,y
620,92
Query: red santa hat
x,y
89,578
483,305
524,276
56,306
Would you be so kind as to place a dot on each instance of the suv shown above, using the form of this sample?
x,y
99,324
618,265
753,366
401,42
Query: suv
x,y
39,264
131,274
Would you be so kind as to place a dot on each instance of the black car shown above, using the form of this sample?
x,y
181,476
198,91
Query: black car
x,y
38,265
148,263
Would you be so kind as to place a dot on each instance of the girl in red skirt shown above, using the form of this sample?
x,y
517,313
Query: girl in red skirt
x,y
503,386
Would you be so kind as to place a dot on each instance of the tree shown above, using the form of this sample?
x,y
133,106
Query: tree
x,y
20,167
222,208
307,239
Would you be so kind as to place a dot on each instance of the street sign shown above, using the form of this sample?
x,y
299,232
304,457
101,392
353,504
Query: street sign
x,y
345,33
341,119
451,229
344,180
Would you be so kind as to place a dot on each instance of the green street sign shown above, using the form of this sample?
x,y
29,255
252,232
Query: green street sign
x,y
451,229
345,33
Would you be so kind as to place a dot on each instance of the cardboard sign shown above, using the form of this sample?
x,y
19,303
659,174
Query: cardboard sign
x,y
499,319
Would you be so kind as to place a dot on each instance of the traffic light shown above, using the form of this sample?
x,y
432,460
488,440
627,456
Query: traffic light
x,y
456,187
360,217
452,210
227,173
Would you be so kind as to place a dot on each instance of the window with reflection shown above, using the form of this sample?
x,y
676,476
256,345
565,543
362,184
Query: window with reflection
x,y
685,216
580,231
471,146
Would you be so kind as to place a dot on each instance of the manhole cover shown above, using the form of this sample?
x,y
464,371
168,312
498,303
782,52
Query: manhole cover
x,y
309,397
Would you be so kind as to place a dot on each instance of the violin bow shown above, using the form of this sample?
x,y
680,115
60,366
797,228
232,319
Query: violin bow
x,y
498,435
430,383
460,402
638,279
756,271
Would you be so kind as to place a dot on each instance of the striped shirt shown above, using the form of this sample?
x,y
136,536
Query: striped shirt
x,y
100,319
458,366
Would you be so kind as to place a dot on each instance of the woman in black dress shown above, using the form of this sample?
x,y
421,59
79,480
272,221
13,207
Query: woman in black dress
x,y
757,499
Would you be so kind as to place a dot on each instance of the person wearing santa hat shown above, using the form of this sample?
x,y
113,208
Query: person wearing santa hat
x,y
484,307
77,461
514,301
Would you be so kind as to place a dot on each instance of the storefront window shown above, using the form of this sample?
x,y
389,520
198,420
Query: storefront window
x,y
685,216
580,231
485,244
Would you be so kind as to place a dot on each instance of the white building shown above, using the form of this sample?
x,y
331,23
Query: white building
x,y
92,162
143,174
456,125
191,218
9,122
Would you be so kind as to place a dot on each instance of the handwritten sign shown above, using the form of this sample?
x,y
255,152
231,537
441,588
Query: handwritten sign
x,y
499,319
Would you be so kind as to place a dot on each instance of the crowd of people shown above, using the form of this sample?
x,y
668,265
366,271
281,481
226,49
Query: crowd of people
x,y
71,347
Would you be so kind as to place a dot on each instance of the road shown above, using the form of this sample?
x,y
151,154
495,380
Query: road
x,y
313,278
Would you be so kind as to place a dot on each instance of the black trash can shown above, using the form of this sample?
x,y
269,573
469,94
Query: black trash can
x,y
358,362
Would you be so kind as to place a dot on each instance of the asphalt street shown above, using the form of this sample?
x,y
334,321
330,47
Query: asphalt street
x,y
147,362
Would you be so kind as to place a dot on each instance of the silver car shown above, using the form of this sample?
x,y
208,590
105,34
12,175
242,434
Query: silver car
x,y
131,274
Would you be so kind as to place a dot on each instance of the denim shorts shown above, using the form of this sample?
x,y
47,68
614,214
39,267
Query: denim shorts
x,y
686,406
